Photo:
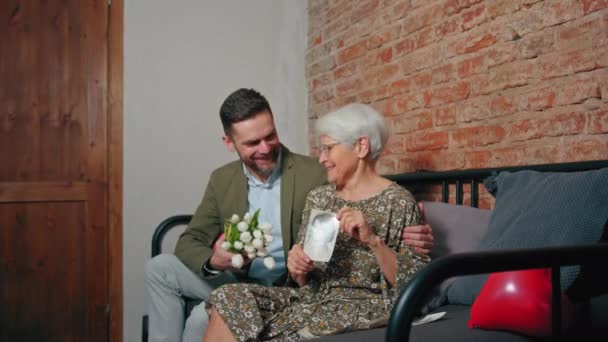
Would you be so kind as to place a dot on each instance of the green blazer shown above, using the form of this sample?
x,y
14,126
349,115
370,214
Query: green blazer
x,y
226,194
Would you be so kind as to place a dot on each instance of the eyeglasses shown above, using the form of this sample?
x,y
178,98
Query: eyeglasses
x,y
327,147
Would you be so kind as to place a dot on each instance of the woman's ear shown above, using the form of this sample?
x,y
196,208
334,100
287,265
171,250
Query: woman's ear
x,y
363,148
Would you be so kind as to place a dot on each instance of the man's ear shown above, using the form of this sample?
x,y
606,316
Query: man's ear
x,y
363,148
229,143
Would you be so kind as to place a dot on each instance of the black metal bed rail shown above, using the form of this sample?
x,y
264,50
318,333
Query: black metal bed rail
x,y
476,176
460,264
162,229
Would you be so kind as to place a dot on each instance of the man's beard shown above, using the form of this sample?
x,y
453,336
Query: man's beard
x,y
254,167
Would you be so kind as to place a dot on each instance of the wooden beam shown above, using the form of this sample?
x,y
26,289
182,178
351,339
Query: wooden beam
x,y
115,167
12,192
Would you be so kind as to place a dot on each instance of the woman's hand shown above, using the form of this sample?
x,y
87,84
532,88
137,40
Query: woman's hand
x,y
353,223
298,264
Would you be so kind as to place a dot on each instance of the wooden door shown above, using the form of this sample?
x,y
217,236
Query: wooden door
x,y
56,257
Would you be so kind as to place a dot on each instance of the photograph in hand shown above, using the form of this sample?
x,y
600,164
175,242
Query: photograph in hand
x,y
321,235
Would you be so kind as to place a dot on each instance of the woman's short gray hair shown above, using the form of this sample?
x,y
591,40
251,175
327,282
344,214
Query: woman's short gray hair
x,y
352,122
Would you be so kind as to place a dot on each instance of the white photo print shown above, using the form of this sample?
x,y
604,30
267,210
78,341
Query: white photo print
x,y
321,235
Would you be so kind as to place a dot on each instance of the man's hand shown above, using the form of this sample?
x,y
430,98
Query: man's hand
x,y
221,258
420,237
298,264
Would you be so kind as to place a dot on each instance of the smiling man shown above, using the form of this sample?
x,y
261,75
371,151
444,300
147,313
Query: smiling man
x,y
268,177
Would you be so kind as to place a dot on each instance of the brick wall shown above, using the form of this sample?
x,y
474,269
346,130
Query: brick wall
x,y
467,83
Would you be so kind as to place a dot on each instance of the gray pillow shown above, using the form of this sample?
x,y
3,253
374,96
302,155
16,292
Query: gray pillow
x,y
536,209
456,229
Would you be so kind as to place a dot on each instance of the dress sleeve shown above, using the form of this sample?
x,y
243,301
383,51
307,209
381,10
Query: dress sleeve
x,y
408,261
305,217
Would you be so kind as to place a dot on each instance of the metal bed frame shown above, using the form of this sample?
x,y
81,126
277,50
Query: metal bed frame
x,y
412,295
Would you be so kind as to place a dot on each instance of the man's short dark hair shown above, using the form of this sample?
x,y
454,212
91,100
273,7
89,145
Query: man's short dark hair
x,y
242,105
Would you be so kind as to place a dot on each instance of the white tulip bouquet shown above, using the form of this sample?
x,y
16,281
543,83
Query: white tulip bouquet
x,y
248,237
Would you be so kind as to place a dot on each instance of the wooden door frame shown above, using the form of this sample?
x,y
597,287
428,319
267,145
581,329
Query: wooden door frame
x,y
115,167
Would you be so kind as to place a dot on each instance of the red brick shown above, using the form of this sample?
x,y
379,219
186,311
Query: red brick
x,y
323,95
503,104
547,151
421,59
448,27
425,37
480,85
400,10
557,12
426,141
439,160
473,17
318,40
598,122
558,125
501,53
382,37
455,6
401,86
407,123
577,91
497,8
474,109
337,8
352,52
405,46
511,75
346,70
422,17
387,165
471,42
477,159
581,33
445,115
395,144
535,44
422,80
555,65
349,87
603,80
322,81
446,94
386,55
478,136
592,148
471,66
364,9
525,22
380,75
593,5
336,26
443,73
539,99
402,104
322,66
510,156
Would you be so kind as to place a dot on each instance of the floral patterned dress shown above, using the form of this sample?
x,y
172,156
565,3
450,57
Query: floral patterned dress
x,y
347,293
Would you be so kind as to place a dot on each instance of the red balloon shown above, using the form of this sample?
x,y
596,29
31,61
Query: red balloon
x,y
517,301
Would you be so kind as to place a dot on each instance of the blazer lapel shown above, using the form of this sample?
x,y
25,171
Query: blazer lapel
x,y
239,187
288,177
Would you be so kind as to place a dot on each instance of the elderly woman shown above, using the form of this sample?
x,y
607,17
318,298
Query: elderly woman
x,y
369,265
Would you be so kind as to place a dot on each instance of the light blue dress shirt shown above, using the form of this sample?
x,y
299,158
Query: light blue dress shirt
x,y
267,197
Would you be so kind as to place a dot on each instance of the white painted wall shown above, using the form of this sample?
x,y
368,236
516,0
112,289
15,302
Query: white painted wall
x,y
182,58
